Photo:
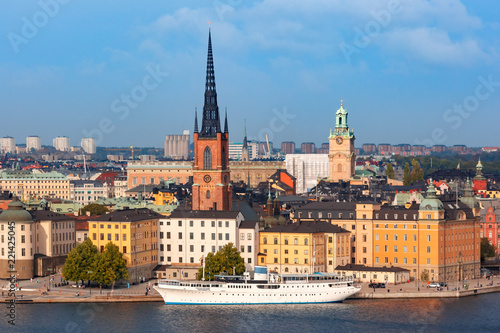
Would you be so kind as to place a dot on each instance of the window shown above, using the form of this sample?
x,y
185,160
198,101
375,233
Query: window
x,y
102,236
386,237
162,247
376,236
191,248
386,260
376,260
191,223
213,224
220,236
23,238
202,235
306,241
275,251
428,261
275,241
249,248
124,249
428,238
249,236
405,261
180,235
428,249
264,240
213,237
191,235
227,236
414,260
295,241
169,248
117,237
414,249
414,238
242,248
376,248
23,252
208,194
364,238
207,159
180,223
180,247
168,234
94,236
296,260
306,252
227,224
395,248
405,248
386,248
220,224
405,237
242,236
395,237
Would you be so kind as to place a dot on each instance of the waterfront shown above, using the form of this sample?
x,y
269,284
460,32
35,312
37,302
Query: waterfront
x,y
476,313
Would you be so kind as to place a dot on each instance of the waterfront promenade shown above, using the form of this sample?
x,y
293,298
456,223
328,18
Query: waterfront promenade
x,y
33,292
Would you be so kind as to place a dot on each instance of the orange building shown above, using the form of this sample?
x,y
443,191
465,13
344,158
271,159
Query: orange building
x,y
211,176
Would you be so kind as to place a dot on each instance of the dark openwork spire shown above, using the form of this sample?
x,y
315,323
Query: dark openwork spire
x,y
195,120
210,124
245,141
225,122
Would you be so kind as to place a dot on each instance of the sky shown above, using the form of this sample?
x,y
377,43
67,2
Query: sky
x,y
130,72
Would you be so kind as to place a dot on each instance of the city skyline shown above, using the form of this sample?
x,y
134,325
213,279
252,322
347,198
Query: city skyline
x,y
402,66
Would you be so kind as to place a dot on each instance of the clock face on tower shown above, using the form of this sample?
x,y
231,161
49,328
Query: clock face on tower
x,y
339,140
207,178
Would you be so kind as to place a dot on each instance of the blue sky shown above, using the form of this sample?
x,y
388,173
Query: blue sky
x,y
409,71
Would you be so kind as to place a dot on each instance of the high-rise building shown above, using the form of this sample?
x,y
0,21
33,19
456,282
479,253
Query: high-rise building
x,y
7,145
369,148
211,175
342,158
88,145
33,142
288,147
307,148
177,146
61,143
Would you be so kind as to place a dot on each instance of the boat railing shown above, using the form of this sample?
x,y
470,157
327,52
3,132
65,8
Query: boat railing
x,y
165,282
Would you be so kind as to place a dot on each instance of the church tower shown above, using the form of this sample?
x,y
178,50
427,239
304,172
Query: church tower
x,y
211,188
245,156
341,156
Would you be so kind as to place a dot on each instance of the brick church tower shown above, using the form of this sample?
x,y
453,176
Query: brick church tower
x,y
211,175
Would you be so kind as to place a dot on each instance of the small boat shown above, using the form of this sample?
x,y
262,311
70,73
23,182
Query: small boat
x,y
264,288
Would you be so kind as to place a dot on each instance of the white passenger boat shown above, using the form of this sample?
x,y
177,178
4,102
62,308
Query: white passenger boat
x,y
263,289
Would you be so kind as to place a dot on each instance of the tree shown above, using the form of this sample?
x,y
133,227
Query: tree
x,y
389,172
487,250
110,266
224,260
406,174
94,209
416,171
80,261
424,276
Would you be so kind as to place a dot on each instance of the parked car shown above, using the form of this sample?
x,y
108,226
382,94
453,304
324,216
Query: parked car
x,y
376,285
433,285
443,284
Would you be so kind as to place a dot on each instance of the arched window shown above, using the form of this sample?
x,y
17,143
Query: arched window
x,y
339,167
265,240
275,241
340,120
306,241
286,241
295,241
207,159
208,194
286,269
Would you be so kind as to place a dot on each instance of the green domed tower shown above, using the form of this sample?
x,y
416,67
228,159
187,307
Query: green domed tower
x,y
431,208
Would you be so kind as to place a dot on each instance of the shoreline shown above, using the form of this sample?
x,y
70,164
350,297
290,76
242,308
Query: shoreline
x,y
157,298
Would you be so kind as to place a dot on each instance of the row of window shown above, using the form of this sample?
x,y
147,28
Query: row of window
x,y
101,237
395,261
191,236
202,223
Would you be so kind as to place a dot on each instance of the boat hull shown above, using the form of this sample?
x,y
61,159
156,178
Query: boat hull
x,y
236,294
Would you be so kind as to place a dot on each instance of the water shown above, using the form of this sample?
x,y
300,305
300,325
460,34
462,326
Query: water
x,y
470,314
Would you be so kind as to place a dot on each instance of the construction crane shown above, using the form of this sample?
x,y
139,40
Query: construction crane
x,y
268,147
131,149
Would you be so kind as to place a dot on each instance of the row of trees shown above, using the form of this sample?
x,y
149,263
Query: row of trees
x,y
223,261
86,263
416,172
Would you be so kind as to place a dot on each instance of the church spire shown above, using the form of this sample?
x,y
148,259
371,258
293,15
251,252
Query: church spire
x,y
245,142
195,120
210,124
225,122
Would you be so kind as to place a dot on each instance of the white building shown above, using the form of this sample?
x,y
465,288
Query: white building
x,y
61,143
249,243
187,236
307,168
120,187
88,191
88,145
33,142
7,145
177,146
235,150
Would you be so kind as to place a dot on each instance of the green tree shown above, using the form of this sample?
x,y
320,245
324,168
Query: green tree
x,y
94,209
224,260
416,171
389,172
110,266
424,276
487,250
406,174
80,261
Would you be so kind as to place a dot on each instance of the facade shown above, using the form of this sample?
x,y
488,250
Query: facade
x,y
288,147
369,148
38,232
211,176
249,243
88,191
341,157
7,145
27,184
88,145
177,146
392,275
307,168
236,151
135,232
152,173
61,143
33,142
256,171
307,148
186,236
490,222
304,247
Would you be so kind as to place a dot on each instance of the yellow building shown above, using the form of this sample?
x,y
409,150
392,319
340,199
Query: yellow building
x,y
164,197
304,247
135,232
